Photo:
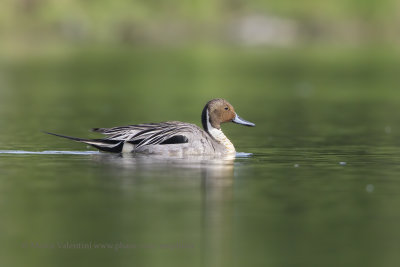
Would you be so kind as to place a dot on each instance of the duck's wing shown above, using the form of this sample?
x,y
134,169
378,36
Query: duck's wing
x,y
151,133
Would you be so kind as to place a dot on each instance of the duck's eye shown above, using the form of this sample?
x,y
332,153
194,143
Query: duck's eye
x,y
226,108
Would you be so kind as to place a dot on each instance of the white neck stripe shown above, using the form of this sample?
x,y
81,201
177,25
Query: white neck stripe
x,y
218,135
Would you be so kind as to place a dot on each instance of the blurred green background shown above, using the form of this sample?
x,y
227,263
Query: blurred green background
x,y
320,80
41,26
132,61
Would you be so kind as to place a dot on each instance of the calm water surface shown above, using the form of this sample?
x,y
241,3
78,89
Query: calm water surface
x,y
321,187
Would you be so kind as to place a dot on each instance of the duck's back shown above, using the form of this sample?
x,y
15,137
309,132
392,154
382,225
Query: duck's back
x,y
165,138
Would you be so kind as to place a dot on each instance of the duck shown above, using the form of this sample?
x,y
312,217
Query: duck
x,y
171,138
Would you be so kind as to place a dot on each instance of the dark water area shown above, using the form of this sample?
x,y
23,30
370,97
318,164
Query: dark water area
x,y
320,187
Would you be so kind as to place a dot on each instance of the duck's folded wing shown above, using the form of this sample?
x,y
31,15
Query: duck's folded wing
x,y
151,133
124,132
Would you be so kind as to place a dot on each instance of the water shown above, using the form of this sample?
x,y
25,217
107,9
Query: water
x,y
49,152
316,182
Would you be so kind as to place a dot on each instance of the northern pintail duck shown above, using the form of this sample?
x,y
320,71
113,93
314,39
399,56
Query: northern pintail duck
x,y
172,137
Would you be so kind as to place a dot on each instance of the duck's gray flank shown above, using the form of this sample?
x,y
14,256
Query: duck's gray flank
x,y
172,137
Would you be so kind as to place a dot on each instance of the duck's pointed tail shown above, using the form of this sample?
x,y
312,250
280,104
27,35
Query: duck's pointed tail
x,y
101,144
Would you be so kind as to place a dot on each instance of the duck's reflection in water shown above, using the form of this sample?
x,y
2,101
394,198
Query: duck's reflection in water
x,y
212,169
212,175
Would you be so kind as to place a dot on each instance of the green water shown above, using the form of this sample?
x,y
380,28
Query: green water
x,y
321,188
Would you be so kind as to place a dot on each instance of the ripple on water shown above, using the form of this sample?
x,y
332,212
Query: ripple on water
x,y
48,152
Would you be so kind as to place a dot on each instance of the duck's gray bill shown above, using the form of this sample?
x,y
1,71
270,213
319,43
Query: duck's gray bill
x,y
239,120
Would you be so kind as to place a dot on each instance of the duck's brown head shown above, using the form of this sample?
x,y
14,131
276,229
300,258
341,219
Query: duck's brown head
x,y
218,111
